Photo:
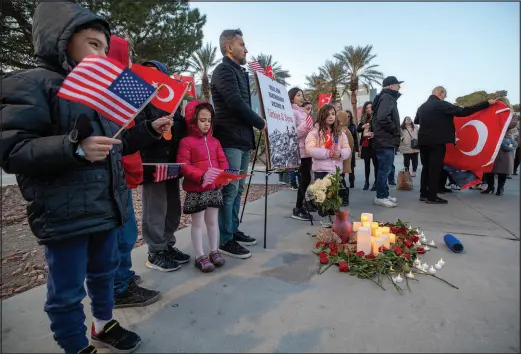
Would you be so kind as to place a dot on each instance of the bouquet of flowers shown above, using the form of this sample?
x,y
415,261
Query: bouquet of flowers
x,y
325,193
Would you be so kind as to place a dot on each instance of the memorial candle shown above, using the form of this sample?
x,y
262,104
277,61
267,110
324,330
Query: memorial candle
x,y
377,243
366,224
366,217
386,230
387,240
356,226
363,240
392,238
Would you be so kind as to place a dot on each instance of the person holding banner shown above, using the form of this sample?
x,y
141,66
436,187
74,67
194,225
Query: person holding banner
x,y
161,202
69,170
304,124
234,123
199,152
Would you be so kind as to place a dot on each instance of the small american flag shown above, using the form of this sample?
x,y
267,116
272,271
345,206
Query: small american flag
x,y
210,176
166,171
309,122
108,87
233,172
255,66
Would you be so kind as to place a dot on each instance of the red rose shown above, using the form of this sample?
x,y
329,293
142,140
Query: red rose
x,y
319,244
409,244
415,238
324,260
397,250
360,254
333,252
420,250
403,231
370,256
330,245
394,230
407,255
322,254
343,267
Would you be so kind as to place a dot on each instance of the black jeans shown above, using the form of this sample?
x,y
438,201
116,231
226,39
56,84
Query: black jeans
x,y
304,177
408,158
501,179
517,159
432,161
367,166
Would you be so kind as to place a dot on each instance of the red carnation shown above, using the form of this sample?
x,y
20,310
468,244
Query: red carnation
x,y
415,238
333,251
324,260
409,244
330,245
397,250
322,254
394,230
420,250
407,255
343,267
319,244
360,254
370,256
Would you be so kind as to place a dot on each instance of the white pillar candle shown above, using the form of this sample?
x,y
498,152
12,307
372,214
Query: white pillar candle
x,y
387,240
366,217
392,238
363,240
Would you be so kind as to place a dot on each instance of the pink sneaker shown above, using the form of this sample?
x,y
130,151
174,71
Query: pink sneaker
x,y
216,259
204,265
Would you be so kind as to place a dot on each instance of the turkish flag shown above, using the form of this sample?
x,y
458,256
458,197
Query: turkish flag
x,y
359,111
170,95
269,72
478,138
191,84
323,99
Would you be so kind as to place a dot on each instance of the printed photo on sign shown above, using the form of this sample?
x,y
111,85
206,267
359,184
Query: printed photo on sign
x,y
281,134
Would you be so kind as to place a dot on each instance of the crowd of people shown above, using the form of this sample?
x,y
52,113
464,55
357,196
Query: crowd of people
x,y
78,181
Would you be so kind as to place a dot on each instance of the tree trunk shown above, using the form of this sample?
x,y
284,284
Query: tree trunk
x,y
353,104
205,88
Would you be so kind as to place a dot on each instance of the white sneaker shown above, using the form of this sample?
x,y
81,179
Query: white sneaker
x,y
326,222
392,199
384,202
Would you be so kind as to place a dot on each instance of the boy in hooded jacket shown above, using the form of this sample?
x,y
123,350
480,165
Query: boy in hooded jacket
x,y
69,171
161,201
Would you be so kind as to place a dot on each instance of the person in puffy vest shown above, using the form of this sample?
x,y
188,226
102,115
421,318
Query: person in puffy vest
x,y
127,293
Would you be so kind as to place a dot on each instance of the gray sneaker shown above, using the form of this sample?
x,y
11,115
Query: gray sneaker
x,y
384,202
326,222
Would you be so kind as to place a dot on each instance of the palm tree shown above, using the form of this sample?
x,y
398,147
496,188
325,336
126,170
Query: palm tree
x,y
315,85
266,60
202,61
358,71
333,75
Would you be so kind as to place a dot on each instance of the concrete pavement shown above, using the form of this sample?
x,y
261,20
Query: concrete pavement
x,y
275,302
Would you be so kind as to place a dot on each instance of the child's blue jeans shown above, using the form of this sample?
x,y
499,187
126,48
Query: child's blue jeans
x,y
95,258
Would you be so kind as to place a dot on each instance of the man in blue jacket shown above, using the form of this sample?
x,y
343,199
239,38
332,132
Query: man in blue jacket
x,y
234,123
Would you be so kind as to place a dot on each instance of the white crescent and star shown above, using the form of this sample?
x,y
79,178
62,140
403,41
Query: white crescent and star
x,y
168,98
482,131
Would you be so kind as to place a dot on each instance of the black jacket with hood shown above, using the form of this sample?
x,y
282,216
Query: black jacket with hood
x,y
67,196
162,150
386,120
234,118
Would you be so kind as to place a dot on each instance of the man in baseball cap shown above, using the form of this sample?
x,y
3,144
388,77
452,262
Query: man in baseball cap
x,y
391,80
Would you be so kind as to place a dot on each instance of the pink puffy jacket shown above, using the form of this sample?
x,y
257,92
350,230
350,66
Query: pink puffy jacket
x,y
321,160
300,115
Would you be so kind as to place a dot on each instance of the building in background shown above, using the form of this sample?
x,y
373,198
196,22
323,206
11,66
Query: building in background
x,y
362,96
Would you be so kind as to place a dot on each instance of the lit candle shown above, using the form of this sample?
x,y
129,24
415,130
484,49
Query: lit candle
x,y
356,226
363,240
418,244
392,238
427,248
375,224
399,279
438,266
432,270
377,243
386,230
378,233
432,243
425,265
366,217
366,224
417,262
391,269
424,239
410,275
387,240
441,261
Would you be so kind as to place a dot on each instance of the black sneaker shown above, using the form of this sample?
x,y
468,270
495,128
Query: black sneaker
x,y
233,249
294,187
116,338
135,296
301,214
137,279
422,198
179,256
162,261
88,350
445,190
438,200
373,188
243,239
392,183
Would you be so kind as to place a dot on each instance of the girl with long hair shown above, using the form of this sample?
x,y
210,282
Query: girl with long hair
x,y
367,152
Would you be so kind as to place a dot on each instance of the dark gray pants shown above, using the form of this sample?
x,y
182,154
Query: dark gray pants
x,y
161,214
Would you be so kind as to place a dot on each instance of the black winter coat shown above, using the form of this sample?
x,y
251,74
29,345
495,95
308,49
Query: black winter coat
x,y
67,196
386,120
436,120
234,118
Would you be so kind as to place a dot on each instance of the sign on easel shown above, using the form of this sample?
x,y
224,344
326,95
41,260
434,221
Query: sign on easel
x,y
281,135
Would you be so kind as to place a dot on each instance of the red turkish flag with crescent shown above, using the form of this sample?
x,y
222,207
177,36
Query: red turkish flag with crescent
x,y
269,72
478,138
323,99
191,84
170,95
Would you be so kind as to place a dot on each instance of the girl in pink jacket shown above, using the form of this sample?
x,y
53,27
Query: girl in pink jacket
x,y
304,124
328,147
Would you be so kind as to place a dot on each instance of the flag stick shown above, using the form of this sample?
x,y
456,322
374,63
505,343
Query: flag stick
x,y
138,111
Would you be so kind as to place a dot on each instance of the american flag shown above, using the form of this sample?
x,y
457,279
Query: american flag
x,y
255,66
309,122
233,172
108,87
166,171
210,176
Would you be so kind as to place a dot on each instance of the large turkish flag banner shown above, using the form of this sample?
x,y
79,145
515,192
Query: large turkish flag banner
x,y
478,138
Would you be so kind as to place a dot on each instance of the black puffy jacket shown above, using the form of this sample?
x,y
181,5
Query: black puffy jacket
x,y
386,120
67,196
234,118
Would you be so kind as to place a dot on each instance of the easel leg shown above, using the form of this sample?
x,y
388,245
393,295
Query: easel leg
x,y
251,175
266,206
